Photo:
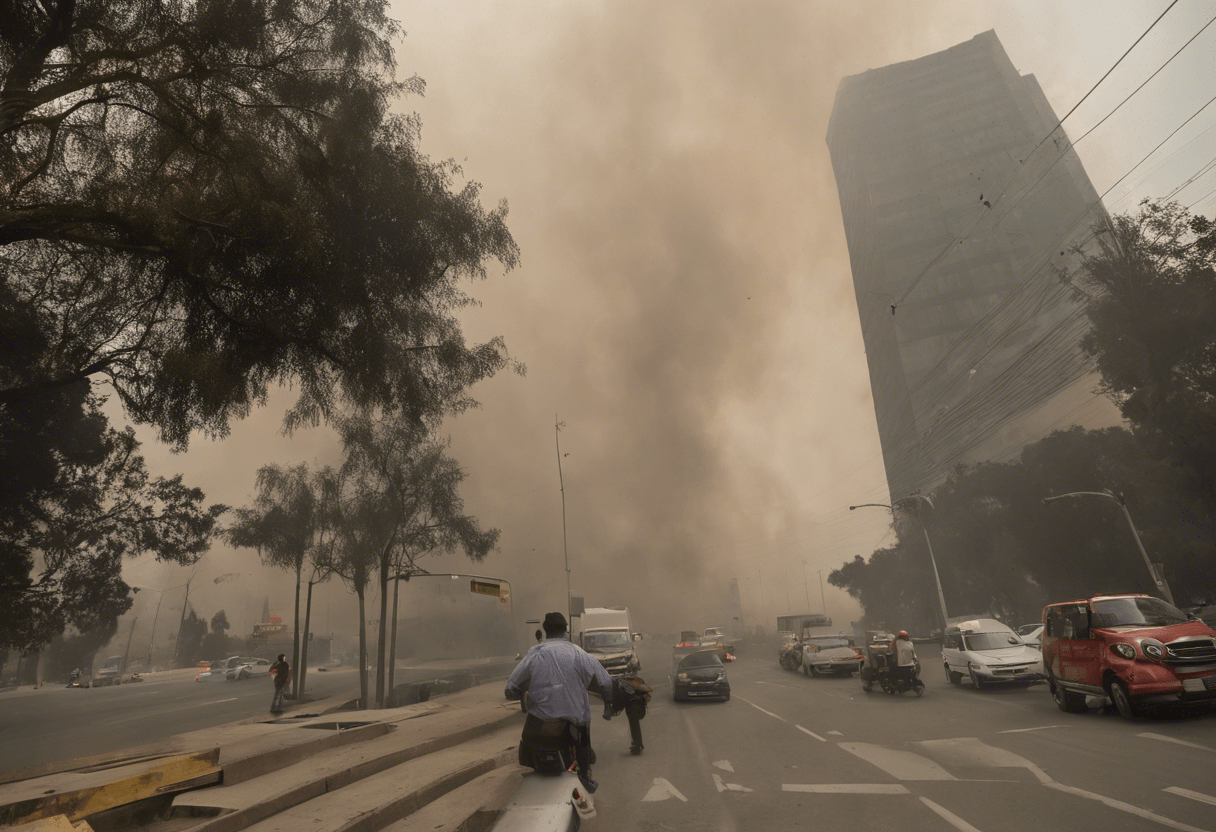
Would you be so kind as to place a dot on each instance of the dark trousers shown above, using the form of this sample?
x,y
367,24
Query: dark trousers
x,y
634,711
546,733
276,704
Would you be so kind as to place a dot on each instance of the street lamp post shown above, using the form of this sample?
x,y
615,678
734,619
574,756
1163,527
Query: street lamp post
x,y
804,587
557,431
941,596
1158,580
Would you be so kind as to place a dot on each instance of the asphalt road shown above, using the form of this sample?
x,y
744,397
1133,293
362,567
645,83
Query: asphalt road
x,y
55,723
789,751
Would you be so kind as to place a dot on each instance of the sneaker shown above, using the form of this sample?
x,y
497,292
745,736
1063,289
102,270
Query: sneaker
x,y
635,750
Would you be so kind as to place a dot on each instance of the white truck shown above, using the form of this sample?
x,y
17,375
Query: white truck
x,y
608,635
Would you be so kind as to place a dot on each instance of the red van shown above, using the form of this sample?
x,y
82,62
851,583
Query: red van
x,y
1133,649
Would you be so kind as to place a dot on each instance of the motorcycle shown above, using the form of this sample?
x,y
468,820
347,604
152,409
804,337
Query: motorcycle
x,y
541,801
880,669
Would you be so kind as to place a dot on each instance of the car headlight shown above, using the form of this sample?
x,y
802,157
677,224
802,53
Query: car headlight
x,y
683,677
1125,650
1153,649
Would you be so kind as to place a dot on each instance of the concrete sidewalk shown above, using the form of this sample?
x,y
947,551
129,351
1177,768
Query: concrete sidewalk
x,y
259,767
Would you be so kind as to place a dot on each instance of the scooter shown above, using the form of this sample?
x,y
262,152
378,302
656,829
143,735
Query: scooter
x,y
880,669
551,798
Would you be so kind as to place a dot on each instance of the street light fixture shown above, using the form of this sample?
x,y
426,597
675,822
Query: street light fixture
x,y
941,596
1158,581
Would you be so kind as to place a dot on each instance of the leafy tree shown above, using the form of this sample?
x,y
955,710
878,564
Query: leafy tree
x,y
215,644
1001,550
189,649
418,483
83,503
72,650
281,524
201,200
1152,306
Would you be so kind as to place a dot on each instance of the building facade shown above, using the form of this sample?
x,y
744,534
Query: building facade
x,y
964,209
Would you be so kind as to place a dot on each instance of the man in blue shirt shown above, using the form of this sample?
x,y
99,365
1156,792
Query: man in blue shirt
x,y
553,679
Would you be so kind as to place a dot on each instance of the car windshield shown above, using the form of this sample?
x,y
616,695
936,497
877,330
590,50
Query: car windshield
x,y
825,643
1135,612
602,642
1027,629
990,641
700,660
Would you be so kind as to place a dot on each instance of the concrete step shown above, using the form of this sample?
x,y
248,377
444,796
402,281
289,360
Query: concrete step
x,y
474,807
375,802
236,805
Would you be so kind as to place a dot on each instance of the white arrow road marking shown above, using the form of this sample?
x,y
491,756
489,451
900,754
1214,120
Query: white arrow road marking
x,y
902,765
728,787
1164,738
662,790
1039,728
845,788
969,751
1200,796
949,817
812,733
724,765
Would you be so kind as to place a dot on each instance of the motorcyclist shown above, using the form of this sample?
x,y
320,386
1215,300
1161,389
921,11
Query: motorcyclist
x,y
553,679
905,656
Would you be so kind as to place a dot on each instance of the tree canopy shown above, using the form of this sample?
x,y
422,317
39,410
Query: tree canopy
x,y
199,200
1000,549
1152,307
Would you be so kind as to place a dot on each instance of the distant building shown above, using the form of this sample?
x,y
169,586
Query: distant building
x,y
953,217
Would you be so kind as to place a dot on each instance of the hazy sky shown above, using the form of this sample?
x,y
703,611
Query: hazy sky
x,y
684,303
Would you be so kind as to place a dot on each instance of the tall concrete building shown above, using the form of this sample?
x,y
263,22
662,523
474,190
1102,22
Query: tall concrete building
x,y
964,208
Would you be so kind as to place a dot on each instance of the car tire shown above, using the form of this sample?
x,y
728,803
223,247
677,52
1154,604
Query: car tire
x,y
1066,700
726,698
1121,699
976,681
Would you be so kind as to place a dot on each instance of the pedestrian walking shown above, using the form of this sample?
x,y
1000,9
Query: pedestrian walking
x,y
635,710
281,671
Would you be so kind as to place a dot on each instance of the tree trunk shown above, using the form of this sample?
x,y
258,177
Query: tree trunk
x,y
362,649
295,642
382,643
392,664
304,643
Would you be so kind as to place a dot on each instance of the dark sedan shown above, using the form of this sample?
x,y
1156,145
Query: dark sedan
x,y
699,675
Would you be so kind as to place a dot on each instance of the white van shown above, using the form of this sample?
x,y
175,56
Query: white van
x,y
988,652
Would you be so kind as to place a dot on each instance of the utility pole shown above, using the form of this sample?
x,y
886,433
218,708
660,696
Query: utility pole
x,y
806,591
822,598
126,653
557,432
182,621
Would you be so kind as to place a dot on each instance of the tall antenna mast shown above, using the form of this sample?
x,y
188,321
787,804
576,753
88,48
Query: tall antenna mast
x,y
557,431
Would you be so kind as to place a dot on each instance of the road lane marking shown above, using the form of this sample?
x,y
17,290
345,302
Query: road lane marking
x,y
836,733
761,710
969,751
1200,796
725,765
218,701
1023,730
812,733
949,817
1125,807
845,788
728,787
1164,738
902,765
662,790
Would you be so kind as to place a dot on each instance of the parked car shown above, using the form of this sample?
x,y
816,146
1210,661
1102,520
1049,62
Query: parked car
x,y
988,652
830,654
1135,650
699,674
